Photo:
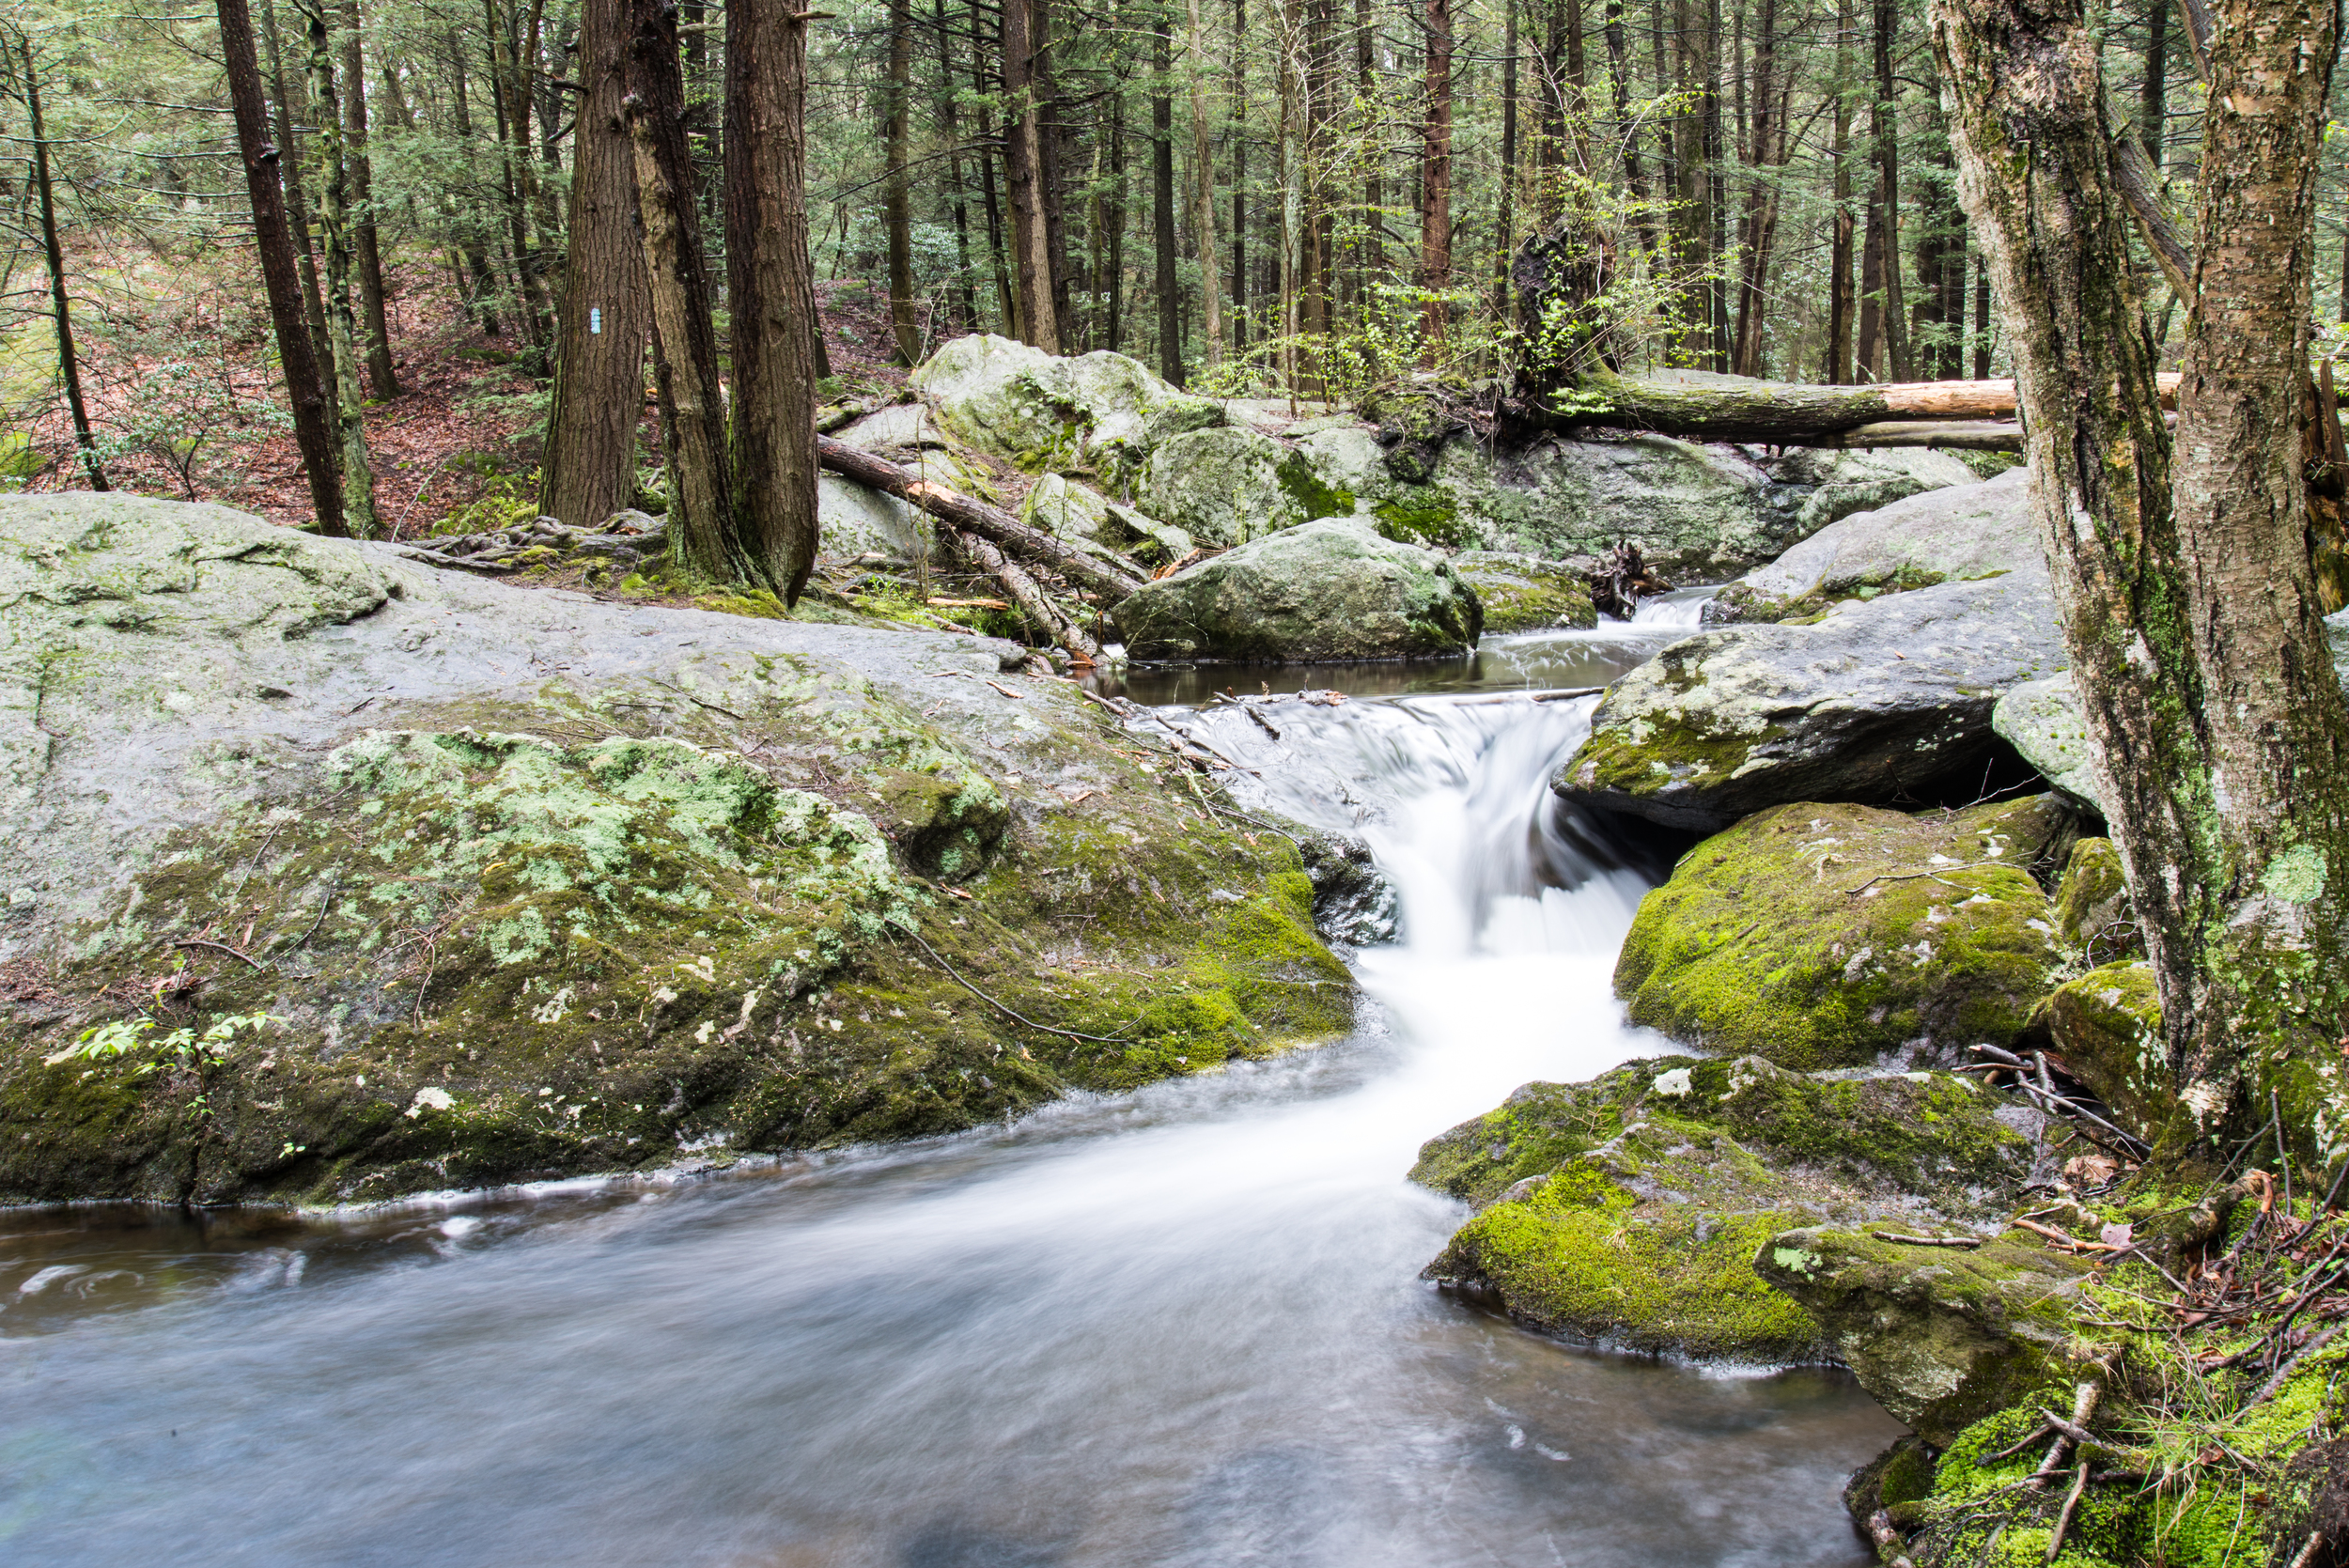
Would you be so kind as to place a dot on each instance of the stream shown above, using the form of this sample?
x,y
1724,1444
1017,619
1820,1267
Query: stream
x,y
1182,1326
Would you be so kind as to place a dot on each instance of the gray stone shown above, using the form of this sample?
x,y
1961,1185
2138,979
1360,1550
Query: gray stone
x,y
1225,487
1834,483
1330,589
1098,411
853,520
1525,593
613,881
2044,721
900,428
1871,701
1063,508
1966,531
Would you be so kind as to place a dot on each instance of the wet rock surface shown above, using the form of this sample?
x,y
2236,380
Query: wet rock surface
x,y
526,883
1525,593
1629,1209
1822,935
1332,589
1874,701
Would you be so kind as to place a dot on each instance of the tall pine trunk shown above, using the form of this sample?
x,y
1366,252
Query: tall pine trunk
x,y
1163,198
1843,222
897,196
1885,128
342,327
1435,175
2215,718
771,289
1202,171
366,249
702,540
297,359
590,467
290,168
1024,91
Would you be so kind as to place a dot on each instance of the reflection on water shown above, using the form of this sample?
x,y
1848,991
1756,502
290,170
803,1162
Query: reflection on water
x,y
1181,1326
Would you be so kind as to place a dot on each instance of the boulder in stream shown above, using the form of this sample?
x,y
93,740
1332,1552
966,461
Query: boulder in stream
x,y
1629,1209
333,877
1834,936
1332,589
1874,701
1525,593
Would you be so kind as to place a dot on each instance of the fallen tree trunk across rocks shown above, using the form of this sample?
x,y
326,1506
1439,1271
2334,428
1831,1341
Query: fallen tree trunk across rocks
x,y
967,515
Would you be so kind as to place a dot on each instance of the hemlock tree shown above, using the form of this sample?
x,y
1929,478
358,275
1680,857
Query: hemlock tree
x,y
606,318
2182,568
771,289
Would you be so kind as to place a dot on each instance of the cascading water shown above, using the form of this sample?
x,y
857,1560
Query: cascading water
x,y
1182,1326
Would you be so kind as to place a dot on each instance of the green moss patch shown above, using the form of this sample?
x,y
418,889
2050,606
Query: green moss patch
x,y
1629,1209
1821,936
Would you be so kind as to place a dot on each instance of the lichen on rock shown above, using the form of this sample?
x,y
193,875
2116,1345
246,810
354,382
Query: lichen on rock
x,y
1826,936
1524,593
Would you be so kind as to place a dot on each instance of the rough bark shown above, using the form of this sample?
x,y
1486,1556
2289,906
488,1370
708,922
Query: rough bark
x,y
1024,171
1030,596
342,327
289,174
966,284
296,357
383,380
60,307
590,468
897,196
1844,223
1163,200
1434,176
702,540
771,289
2214,714
1203,175
1885,128
976,517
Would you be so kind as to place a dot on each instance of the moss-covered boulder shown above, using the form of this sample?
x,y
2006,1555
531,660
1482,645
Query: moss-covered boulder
x,y
1327,590
1940,1336
1961,532
2107,1027
1225,487
1822,935
2092,912
1876,701
1100,412
2042,721
1629,1209
338,877
1524,593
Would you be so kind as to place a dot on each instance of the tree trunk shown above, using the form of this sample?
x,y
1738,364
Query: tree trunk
x,y
68,364
1761,219
966,284
290,172
342,327
703,539
1024,167
1839,297
1374,187
381,378
1884,126
897,201
1239,173
1619,68
1435,178
1006,299
590,467
1203,170
771,291
296,357
2214,713
1871,360
2152,111
1163,200
1505,227
1982,317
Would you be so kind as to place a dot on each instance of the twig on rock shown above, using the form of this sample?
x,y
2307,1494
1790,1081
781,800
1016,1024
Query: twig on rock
x,y
220,947
2064,1520
1042,1028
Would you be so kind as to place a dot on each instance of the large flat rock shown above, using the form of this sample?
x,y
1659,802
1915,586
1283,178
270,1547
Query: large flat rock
x,y
521,883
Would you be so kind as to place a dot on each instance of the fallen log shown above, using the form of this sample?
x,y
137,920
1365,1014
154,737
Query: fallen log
x,y
1791,414
1030,596
967,515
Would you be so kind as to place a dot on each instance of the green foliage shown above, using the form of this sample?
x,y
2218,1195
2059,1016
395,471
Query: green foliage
x,y
182,1048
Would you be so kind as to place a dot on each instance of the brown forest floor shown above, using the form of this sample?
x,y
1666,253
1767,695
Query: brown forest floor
x,y
464,425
